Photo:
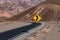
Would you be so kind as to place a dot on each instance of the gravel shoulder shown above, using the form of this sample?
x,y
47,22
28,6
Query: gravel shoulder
x,y
53,34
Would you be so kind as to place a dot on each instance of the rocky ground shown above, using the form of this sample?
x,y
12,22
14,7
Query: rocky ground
x,y
53,34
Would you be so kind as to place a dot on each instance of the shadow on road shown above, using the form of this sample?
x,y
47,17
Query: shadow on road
x,y
11,33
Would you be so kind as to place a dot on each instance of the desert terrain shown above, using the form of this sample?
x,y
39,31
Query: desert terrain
x,y
53,33
48,10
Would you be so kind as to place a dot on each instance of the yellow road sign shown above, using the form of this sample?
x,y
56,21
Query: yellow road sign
x,y
37,18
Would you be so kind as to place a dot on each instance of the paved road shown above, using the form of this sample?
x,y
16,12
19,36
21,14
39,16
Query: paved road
x,y
30,32
9,34
18,31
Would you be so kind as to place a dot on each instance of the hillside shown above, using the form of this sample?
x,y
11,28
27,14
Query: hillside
x,y
53,2
10,8
49,11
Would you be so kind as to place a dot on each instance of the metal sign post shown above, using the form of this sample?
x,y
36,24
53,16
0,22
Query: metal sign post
x,y
37,19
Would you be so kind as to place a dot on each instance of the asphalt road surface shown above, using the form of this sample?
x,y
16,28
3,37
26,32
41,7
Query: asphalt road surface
x,y
11,33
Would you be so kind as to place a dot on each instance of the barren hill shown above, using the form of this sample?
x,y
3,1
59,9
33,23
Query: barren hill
x,y
49,11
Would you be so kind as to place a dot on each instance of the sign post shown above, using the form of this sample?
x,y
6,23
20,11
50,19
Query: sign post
x,y
36,19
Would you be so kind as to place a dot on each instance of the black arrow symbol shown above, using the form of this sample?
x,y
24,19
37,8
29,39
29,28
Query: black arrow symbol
x,y
36,18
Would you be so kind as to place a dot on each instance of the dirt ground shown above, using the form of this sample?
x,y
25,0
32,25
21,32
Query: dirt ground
x,y
9,25
53,34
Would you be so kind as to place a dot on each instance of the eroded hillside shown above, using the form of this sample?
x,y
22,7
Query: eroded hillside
x,y
48,11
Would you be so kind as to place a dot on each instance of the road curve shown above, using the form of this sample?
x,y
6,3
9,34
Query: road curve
x,y
11,33
30,32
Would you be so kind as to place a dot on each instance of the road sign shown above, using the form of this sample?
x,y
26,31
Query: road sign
x,y
37,18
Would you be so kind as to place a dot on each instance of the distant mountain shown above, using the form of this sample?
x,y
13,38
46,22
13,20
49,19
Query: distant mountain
x,y
48,11
13,7
10,8
24,10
